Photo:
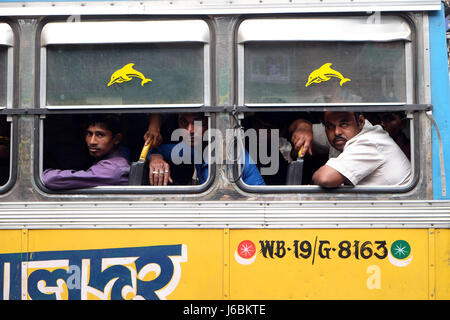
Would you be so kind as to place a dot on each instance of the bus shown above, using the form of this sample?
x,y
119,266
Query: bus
x,y
250,68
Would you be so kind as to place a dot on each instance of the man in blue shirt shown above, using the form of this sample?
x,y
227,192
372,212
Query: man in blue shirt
x,y
190,150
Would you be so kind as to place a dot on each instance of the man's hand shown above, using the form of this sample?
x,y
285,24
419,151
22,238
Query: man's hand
x,y
153,133
159,171
301,135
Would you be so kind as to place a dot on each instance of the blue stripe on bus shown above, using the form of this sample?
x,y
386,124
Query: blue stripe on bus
x,y
440,99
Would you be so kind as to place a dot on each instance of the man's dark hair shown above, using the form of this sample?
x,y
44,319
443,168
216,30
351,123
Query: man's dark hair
x,y
108,121
356,114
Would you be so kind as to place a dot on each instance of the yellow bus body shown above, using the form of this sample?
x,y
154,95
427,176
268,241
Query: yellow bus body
x,y
295,263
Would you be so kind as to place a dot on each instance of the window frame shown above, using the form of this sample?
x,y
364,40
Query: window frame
x,y
113,32
288,30
260,26
8,38
57,32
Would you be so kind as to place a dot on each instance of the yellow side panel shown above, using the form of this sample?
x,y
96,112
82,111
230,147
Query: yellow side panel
x,y
201,275
11,241
442,264
225,264
322,264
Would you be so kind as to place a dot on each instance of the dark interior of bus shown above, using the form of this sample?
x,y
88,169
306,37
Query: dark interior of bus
x,y
4,150
65,147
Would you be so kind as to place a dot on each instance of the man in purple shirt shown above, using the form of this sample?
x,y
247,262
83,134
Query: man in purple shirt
x,y
103,135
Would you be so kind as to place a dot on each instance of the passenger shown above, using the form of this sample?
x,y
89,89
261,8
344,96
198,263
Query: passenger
x,y
102,136
153,133
270,121
280,121
368,155
395,123
161,159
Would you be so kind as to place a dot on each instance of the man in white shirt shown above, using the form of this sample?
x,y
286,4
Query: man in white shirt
x,y
368,155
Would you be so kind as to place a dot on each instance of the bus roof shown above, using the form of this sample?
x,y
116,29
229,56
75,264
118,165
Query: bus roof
x,y
219,7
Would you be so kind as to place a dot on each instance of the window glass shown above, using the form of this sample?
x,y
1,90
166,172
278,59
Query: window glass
x,y
119,74
330,72
3,74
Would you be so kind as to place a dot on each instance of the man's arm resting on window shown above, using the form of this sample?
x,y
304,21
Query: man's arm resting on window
x,y
103,173
328,177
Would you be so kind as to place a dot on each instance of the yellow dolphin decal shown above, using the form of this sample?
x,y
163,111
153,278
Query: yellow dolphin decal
x,y
324,73
126,74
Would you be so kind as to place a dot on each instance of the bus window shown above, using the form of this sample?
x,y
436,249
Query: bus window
x,y
6,83
4,125
3,74
67,148
5,150
117,74
270,141
115,66
84,66
343,61
317,64
6,65
317,72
